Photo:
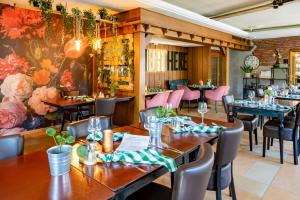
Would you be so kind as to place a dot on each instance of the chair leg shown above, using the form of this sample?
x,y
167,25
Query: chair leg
x,y
264,147
296,150
281,150
216,106
255,135
218,186
231,186
250,140
271,142
268,144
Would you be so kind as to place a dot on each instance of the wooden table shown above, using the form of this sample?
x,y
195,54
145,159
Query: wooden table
x,y
28,177
256,110
202,89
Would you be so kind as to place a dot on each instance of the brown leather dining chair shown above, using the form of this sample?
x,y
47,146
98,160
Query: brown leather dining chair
x,y
11,146
291,127
227,149
147,112
250,121
190,180
105,107
80,128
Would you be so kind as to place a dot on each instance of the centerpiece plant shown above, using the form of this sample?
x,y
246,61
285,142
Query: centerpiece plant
x,y
162,112
268,93
113,86
247,70
59,156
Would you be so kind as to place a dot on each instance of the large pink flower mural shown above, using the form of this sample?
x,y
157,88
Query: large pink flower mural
x,y
18,23
12,113
43,94
12,64
18,86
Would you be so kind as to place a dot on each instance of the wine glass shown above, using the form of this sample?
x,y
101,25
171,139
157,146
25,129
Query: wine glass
x,y
251,94
202,108
92,126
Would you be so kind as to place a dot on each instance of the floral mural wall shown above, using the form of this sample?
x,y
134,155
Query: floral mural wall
x,y
35,68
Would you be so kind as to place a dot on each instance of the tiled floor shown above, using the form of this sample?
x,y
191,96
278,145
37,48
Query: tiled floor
x,y
255,177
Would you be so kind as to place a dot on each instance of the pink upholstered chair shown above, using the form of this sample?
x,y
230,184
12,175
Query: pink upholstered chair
x,y
189,95
216,95
158,100
175,98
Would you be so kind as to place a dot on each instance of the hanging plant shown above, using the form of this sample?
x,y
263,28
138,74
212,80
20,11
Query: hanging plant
x,y
35,3
102,13
46,7
77,22
67,21
89,25
59,7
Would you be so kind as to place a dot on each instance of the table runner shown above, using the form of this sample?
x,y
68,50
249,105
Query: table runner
x,y
146,156
199,129
98,136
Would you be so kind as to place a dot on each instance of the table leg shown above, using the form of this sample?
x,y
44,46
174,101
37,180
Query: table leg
x,y
281,140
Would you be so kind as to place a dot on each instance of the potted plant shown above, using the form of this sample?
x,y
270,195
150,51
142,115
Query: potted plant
x,y
208,82
59,7
102,13
59,156
35,3
247,70
46,4
164,112
113,88
268,93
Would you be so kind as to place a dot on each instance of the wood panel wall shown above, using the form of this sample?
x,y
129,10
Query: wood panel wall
x,y
152,78
199,62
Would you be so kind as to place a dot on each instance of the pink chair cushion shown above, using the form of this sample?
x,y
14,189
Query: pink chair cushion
x,y
216,95
158,100
189,94
175,98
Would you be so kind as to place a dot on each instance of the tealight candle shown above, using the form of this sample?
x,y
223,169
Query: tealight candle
x,y
107,141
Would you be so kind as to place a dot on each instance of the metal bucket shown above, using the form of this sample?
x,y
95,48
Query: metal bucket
x,y
59,158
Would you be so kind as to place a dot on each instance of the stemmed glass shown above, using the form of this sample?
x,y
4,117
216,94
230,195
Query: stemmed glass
x,y
94,126
202,109
251,94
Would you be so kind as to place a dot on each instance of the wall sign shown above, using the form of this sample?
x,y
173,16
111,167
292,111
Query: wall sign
x,y
177,61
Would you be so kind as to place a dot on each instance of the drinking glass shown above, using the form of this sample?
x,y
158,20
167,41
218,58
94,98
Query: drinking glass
x,y
155,129
148,120
251,94
92,126
202,109
176,123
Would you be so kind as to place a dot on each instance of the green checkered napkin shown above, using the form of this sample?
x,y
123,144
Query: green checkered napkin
x,y
245,102
170,119
200,129
293,96
98,136
146,156
276,107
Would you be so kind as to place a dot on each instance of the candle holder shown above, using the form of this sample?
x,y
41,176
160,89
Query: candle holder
x,y
107,141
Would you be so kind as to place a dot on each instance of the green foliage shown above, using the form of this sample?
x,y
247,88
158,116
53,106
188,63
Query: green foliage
x,y
60,138
89,24
247,69
82,151
102,13
46,7
268,93
76,12
164,112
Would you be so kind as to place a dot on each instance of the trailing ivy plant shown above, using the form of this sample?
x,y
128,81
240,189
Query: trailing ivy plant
x,y
102,13
89,25
46,7
67,21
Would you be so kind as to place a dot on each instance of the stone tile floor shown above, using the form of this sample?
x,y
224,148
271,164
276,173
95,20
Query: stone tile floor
x,y
255,177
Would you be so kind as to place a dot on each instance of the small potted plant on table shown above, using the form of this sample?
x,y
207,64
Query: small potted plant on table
x,y
59,156
247,70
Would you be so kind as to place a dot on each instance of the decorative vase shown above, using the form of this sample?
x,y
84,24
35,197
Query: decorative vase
x,y
247,75
270,99
59,158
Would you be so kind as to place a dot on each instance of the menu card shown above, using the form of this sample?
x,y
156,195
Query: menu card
x,y
134,143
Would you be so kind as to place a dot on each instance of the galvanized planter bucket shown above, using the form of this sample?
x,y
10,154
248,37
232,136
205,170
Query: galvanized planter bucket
x,y
59,158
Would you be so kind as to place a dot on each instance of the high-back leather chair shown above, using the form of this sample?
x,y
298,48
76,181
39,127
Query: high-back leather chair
x,y
11,146
105,107
227,150
147,112
250,121
191,180
80,128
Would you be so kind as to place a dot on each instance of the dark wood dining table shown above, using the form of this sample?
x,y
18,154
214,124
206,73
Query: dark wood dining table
x,y
30,175
202,89
261,111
